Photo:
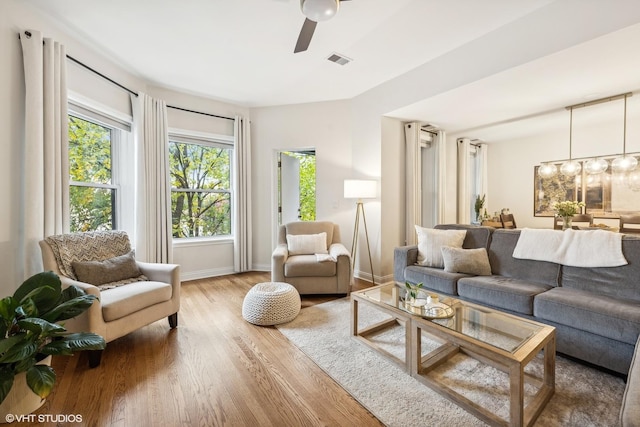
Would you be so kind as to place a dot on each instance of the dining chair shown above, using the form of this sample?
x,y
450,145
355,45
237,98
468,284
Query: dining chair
x,y
586,220
626,220
508,221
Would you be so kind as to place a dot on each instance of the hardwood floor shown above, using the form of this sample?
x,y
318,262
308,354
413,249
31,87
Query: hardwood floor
x,y
214,369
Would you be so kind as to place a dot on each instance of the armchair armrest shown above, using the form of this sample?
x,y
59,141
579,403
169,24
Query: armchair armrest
x,y
403,257
165,273
337,250
278,258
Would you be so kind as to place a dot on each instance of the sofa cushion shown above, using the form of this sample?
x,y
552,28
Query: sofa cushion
x,y
503,242
620,282
501,292
307,244
599,314
435,279
308,266
121,269
469,261
431,241
125,300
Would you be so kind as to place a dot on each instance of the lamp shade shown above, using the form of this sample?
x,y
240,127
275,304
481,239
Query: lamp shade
x,y
360,189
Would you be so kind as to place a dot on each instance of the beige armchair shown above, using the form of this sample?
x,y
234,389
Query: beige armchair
x,y
308,269
125,303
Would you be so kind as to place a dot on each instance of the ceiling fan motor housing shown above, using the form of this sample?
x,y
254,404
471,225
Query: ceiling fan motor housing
x,y
319,10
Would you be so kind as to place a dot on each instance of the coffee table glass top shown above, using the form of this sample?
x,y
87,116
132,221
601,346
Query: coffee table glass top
x,y
481,323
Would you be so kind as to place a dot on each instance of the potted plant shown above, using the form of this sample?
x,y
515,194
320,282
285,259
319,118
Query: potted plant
x,y
29,334
412,292
479,204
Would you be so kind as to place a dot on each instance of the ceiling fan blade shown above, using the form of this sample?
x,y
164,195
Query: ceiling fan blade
x,y
306,33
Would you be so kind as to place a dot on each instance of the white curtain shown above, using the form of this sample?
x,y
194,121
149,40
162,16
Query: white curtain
x,y
464,181
153,241
45,168
413,181
242,192
472,177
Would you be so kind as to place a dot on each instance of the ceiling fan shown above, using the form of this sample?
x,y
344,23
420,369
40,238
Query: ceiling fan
x,y
315,11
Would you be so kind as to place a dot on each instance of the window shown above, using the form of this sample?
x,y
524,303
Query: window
x,y
200,186
92,193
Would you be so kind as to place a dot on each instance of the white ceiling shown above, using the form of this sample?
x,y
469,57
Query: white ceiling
x,y
241,51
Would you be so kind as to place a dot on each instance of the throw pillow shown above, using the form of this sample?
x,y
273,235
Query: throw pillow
x,y
431,240
307,244
110,270
468,261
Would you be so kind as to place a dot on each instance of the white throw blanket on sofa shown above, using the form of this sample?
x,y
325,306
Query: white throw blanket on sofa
x,y
576,248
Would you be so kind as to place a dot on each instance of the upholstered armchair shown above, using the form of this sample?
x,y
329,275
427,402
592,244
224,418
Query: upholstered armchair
x,y
313,262
131,294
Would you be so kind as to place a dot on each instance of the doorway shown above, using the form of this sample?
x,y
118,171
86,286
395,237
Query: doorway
x,y
296,186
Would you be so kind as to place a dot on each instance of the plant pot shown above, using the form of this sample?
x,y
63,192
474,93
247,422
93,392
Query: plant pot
x,y
21,400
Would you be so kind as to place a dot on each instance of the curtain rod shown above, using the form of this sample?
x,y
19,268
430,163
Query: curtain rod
x,y
134,93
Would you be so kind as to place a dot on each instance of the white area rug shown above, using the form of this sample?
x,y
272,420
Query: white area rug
x,y
583,397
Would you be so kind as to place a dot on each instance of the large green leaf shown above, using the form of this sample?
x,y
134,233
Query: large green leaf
x,y
40,379
44,299
20,351
7,343
27,308
70,309
71,292
7,308
6,382
85,341
40,326
57,347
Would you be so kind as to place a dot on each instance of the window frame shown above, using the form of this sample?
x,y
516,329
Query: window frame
x,y
211,140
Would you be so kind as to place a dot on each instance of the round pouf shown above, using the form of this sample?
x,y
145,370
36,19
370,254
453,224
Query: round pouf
x,y
271,303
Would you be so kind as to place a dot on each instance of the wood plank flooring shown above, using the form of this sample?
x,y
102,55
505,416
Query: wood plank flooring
x,y
215,369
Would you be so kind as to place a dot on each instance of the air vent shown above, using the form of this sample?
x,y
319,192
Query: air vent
x,y
339,59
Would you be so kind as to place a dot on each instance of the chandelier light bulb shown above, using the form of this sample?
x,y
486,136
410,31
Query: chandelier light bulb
x,y
570,168
547,170
596,166
624,164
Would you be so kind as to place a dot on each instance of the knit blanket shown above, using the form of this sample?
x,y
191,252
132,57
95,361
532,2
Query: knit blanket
x,y
576,248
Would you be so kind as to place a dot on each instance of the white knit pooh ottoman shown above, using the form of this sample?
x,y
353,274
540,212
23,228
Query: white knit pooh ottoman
x,y
271,303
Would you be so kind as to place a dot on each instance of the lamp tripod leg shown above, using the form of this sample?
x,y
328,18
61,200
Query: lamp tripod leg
x,y
366,234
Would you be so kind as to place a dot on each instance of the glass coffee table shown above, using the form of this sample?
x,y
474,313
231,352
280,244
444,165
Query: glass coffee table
x,y
501,340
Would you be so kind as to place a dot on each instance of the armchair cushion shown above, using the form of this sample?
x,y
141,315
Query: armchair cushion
x,y
308,266
307,244
109,273
125,300
97,245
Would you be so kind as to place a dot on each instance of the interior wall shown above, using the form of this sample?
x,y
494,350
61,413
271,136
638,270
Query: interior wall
x,y
323,126
511,163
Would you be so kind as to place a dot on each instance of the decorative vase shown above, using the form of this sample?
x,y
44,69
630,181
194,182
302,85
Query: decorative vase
x,y
566,222
21,400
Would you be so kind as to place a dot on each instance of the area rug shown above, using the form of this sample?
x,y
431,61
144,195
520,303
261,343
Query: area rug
x,y
584,396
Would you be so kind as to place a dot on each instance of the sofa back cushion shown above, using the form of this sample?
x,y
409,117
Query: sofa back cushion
x,y
503,242
621,282
477,237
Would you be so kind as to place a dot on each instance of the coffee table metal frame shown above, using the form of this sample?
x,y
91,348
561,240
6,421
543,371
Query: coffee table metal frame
x,y
513,363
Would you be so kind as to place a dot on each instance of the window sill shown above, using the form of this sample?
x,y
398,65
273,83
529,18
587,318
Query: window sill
x,y
202,241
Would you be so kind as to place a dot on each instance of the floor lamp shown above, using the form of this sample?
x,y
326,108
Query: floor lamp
x,y
360,189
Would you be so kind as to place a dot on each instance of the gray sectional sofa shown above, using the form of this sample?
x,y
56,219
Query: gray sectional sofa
x,y
596,311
